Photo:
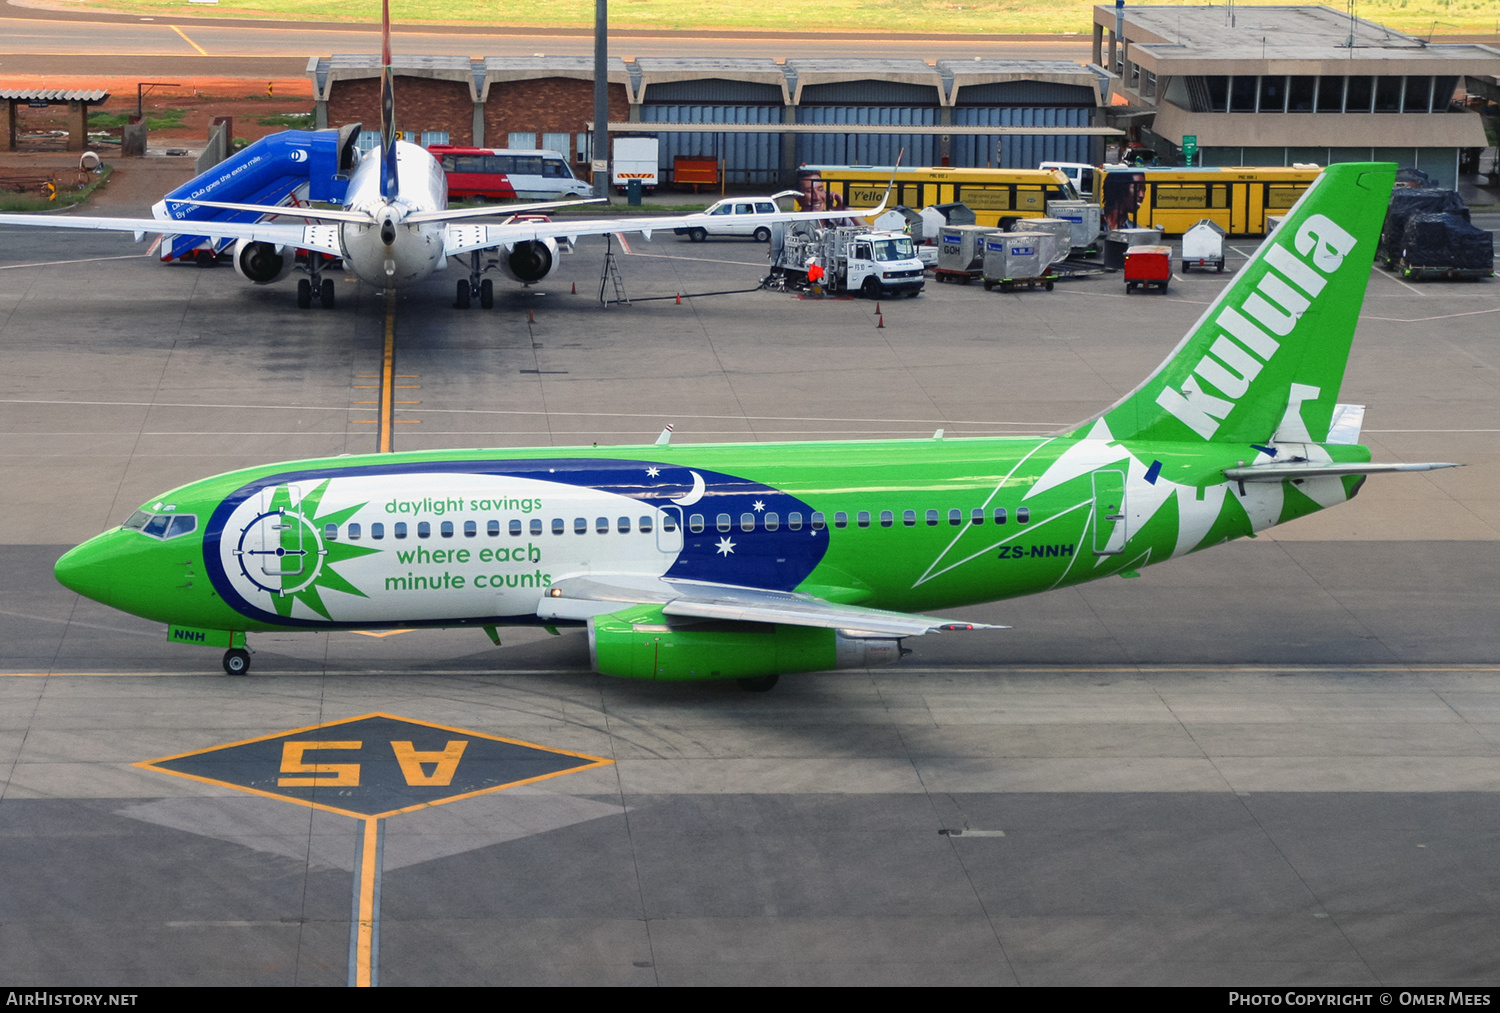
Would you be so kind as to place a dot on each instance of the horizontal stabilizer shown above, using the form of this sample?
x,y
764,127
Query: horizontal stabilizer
x,y
583,597
454,214
1322,469
316,214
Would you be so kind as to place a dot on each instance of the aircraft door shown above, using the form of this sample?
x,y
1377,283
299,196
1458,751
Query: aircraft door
x,y
669,530
1110,529
283,549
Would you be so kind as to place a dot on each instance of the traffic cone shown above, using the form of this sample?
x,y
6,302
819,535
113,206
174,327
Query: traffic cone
x,y
879,322
877,309
575,288
679,298
531,316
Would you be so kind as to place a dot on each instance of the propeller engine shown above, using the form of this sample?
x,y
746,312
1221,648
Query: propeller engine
x,y
260,263
530,261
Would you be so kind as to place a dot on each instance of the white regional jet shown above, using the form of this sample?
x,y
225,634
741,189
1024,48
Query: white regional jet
x,y
395,228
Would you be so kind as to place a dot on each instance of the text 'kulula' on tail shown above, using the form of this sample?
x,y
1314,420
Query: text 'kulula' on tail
x,y
1268,356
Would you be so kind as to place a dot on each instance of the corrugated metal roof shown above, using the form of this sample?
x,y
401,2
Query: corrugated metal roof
x,y
53,95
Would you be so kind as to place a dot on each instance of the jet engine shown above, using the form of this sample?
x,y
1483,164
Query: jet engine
x,y
260,263
531,260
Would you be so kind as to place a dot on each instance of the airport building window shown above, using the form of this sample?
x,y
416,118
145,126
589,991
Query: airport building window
x,y
863,518
331,532
424,529
580,525
819,522
559,525
1218,94
1331,94
1273,94
1023,515
1359,94
431,137
1388,94
536,525
909,518
955,517
840,519
400,529
377,531
722,522
887,518
1242,93
446,529
354,532
645,525
1418,97
695,523
772,521
932,518
1300,93
471,529
747,522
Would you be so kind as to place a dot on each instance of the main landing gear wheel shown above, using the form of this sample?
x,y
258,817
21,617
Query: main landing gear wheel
x,y
762,235
237,661
487,293
461,300
762,684
325,293
697,235
304,293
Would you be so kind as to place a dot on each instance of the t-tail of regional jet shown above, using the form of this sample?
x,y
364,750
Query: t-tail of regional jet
x,y
747,561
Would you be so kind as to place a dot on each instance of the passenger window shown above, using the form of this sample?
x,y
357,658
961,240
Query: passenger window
x,y
863,518
181,524
669,522
840,519
580,525
743,209
156,527
559,525
536,525
515,528
723,210
331,532
818,522
354,532
747,522
722,522
1023,515
887,518
400,529
492,528
377,531
764,208
601,525
471,529
695,523
624,525
932,518
446,529
999,515
424,530
645,525
976,516
955,517
794,521
909,518
773,521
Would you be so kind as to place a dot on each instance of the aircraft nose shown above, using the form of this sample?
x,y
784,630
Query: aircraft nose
x,y
85,569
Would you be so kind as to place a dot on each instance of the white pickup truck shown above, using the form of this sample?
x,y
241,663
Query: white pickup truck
x,y
848,259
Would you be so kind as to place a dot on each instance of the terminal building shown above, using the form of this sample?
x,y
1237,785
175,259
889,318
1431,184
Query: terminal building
x,y
1282,85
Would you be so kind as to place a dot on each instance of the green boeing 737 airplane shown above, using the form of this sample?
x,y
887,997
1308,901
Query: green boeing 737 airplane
x,y
746,561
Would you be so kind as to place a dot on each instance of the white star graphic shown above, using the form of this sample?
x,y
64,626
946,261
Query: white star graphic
x,y
653,472
726,547
759,505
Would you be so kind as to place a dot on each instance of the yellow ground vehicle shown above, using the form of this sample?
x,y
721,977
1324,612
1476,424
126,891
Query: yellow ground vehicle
x,y
990,193
1236,198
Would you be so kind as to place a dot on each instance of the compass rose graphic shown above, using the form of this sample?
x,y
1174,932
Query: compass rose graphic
x,y
282,552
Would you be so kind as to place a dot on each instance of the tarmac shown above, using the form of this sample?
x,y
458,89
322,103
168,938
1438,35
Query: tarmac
x,y
1272,763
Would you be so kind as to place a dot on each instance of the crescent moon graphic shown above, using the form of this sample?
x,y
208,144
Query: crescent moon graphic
x,y
696,494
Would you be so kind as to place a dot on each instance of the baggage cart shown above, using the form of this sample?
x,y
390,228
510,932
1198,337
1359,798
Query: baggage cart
x,y
1203,246
1019,260
961,252
1148,266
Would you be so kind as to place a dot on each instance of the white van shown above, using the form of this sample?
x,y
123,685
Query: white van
x,y
724,213
1083,177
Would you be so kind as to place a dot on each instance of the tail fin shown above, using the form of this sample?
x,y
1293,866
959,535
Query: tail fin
x,y
1268,356
388,185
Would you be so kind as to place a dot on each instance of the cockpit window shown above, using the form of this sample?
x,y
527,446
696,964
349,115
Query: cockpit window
x,y
161,525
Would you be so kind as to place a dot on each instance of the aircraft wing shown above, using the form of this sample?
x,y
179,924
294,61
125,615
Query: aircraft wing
x,y
467,238
323,238
583,597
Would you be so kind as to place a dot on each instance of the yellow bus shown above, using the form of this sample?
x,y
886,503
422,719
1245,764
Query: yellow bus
x,y
991,194
1236,198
